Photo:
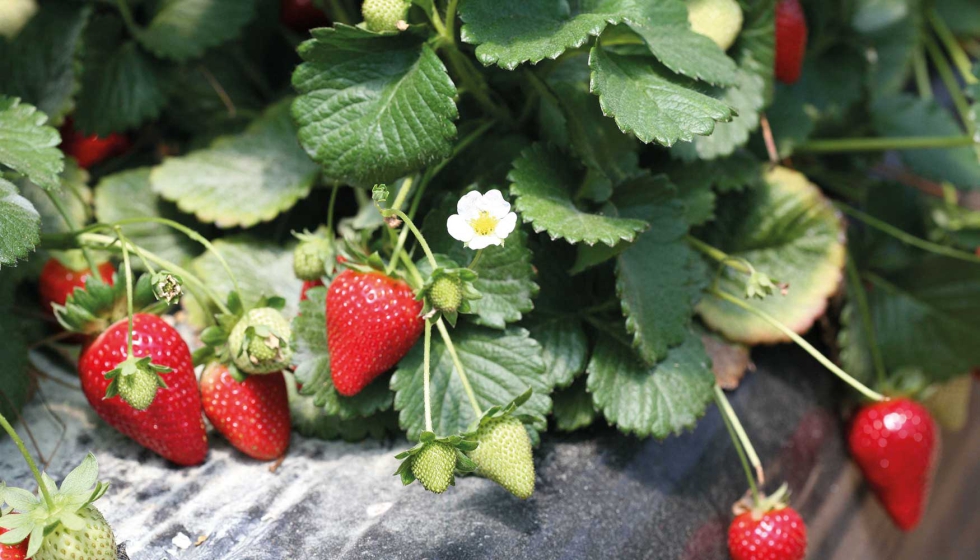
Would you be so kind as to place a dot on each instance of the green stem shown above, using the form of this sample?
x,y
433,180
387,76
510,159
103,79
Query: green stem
x,y
905,237
412,270
952,86
436,20
860,297
884,144
418,235
60,207
339,13
722,257
425,378
729,417
956,52
330,207
451,20
403,234
921,73
129,290
476,260
475,83
30,461
127,17
860,387
459,367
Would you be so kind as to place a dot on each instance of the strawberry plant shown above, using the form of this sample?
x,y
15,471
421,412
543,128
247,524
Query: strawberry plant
x,y
472,221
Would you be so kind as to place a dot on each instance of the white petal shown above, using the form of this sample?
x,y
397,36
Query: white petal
x,y
483,241
459,228
469,205
506,225
494,203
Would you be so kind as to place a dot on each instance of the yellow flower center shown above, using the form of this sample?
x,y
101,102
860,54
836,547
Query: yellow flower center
x,y
484,224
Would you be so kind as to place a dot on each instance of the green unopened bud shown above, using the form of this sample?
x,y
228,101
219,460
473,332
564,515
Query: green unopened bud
x,y
167,286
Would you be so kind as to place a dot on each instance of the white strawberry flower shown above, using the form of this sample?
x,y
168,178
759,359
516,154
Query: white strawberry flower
x,y
482,220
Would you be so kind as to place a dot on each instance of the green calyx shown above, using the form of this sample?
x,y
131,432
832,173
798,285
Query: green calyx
x,y
504,451
99,305
448,291
762,504
313,257
383,16
67,527
259,343
136,380
434,461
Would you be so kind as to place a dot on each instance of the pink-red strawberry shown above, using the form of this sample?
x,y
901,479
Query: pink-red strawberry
x,y
307,286
13,551
173,426
372,322
778,534
57,281
895,444
790,40
253,414
90,150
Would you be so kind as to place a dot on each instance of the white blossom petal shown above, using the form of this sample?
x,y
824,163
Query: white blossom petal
x,y
493,203
482,241
506,225
459,228
469,205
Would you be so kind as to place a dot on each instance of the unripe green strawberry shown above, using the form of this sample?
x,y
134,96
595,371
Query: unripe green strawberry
x,y
434,466
259,343
446,293
384,15
308,261
719,20
504,455
94,541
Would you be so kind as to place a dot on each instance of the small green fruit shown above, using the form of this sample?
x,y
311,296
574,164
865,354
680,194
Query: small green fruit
x,y
308,262
384,15
504,455
94,541
446,293
259,343
433,466
719,20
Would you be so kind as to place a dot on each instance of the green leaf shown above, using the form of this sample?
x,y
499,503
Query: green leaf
x,y
40,65
20,225
120,84
127,195
651,401
28,145
895,46
312,360
511,32
788,230
263,268
651,102
183,29
542,184
74,194
500,366
506,276
372,108
658,278
754,51
903,115
573,408
565,348
241,180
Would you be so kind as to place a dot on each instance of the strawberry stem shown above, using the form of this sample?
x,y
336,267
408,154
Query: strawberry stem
x,y
735,263
921,72
724,408
802,343
70,222
330,207
476,259
956,52
885,144
459,367
451,20
856,288
129,290
905,237
418,235
30,461
743,437
952,86
425,375
403,236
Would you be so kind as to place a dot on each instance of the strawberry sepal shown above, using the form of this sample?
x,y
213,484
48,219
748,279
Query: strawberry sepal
x,y
136,380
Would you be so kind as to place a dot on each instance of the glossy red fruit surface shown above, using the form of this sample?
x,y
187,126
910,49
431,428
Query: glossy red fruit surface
x,y
173,426
253,415
779,534
372,322
301,15
57,281
13,551
90,150
791,32
895,445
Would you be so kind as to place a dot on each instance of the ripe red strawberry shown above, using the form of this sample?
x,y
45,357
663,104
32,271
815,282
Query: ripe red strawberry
x,y
778,534
372,322
253,414
308,285
895,444
57,281
90,150
301,15
790,40
172,426
13,551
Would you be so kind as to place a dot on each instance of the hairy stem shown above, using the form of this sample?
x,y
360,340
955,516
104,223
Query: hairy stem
x,y
884,144
459,367
956,52
333,202
30,461
856,289
921,73
129,290
425,375
418,235
60,207
739,264
952,86
731,421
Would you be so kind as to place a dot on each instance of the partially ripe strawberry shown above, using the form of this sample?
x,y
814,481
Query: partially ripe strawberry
x,y
13,551
253,414
433,466
384,15
504,454
90,150
790,40
895,445
778,534
372,322
58,281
